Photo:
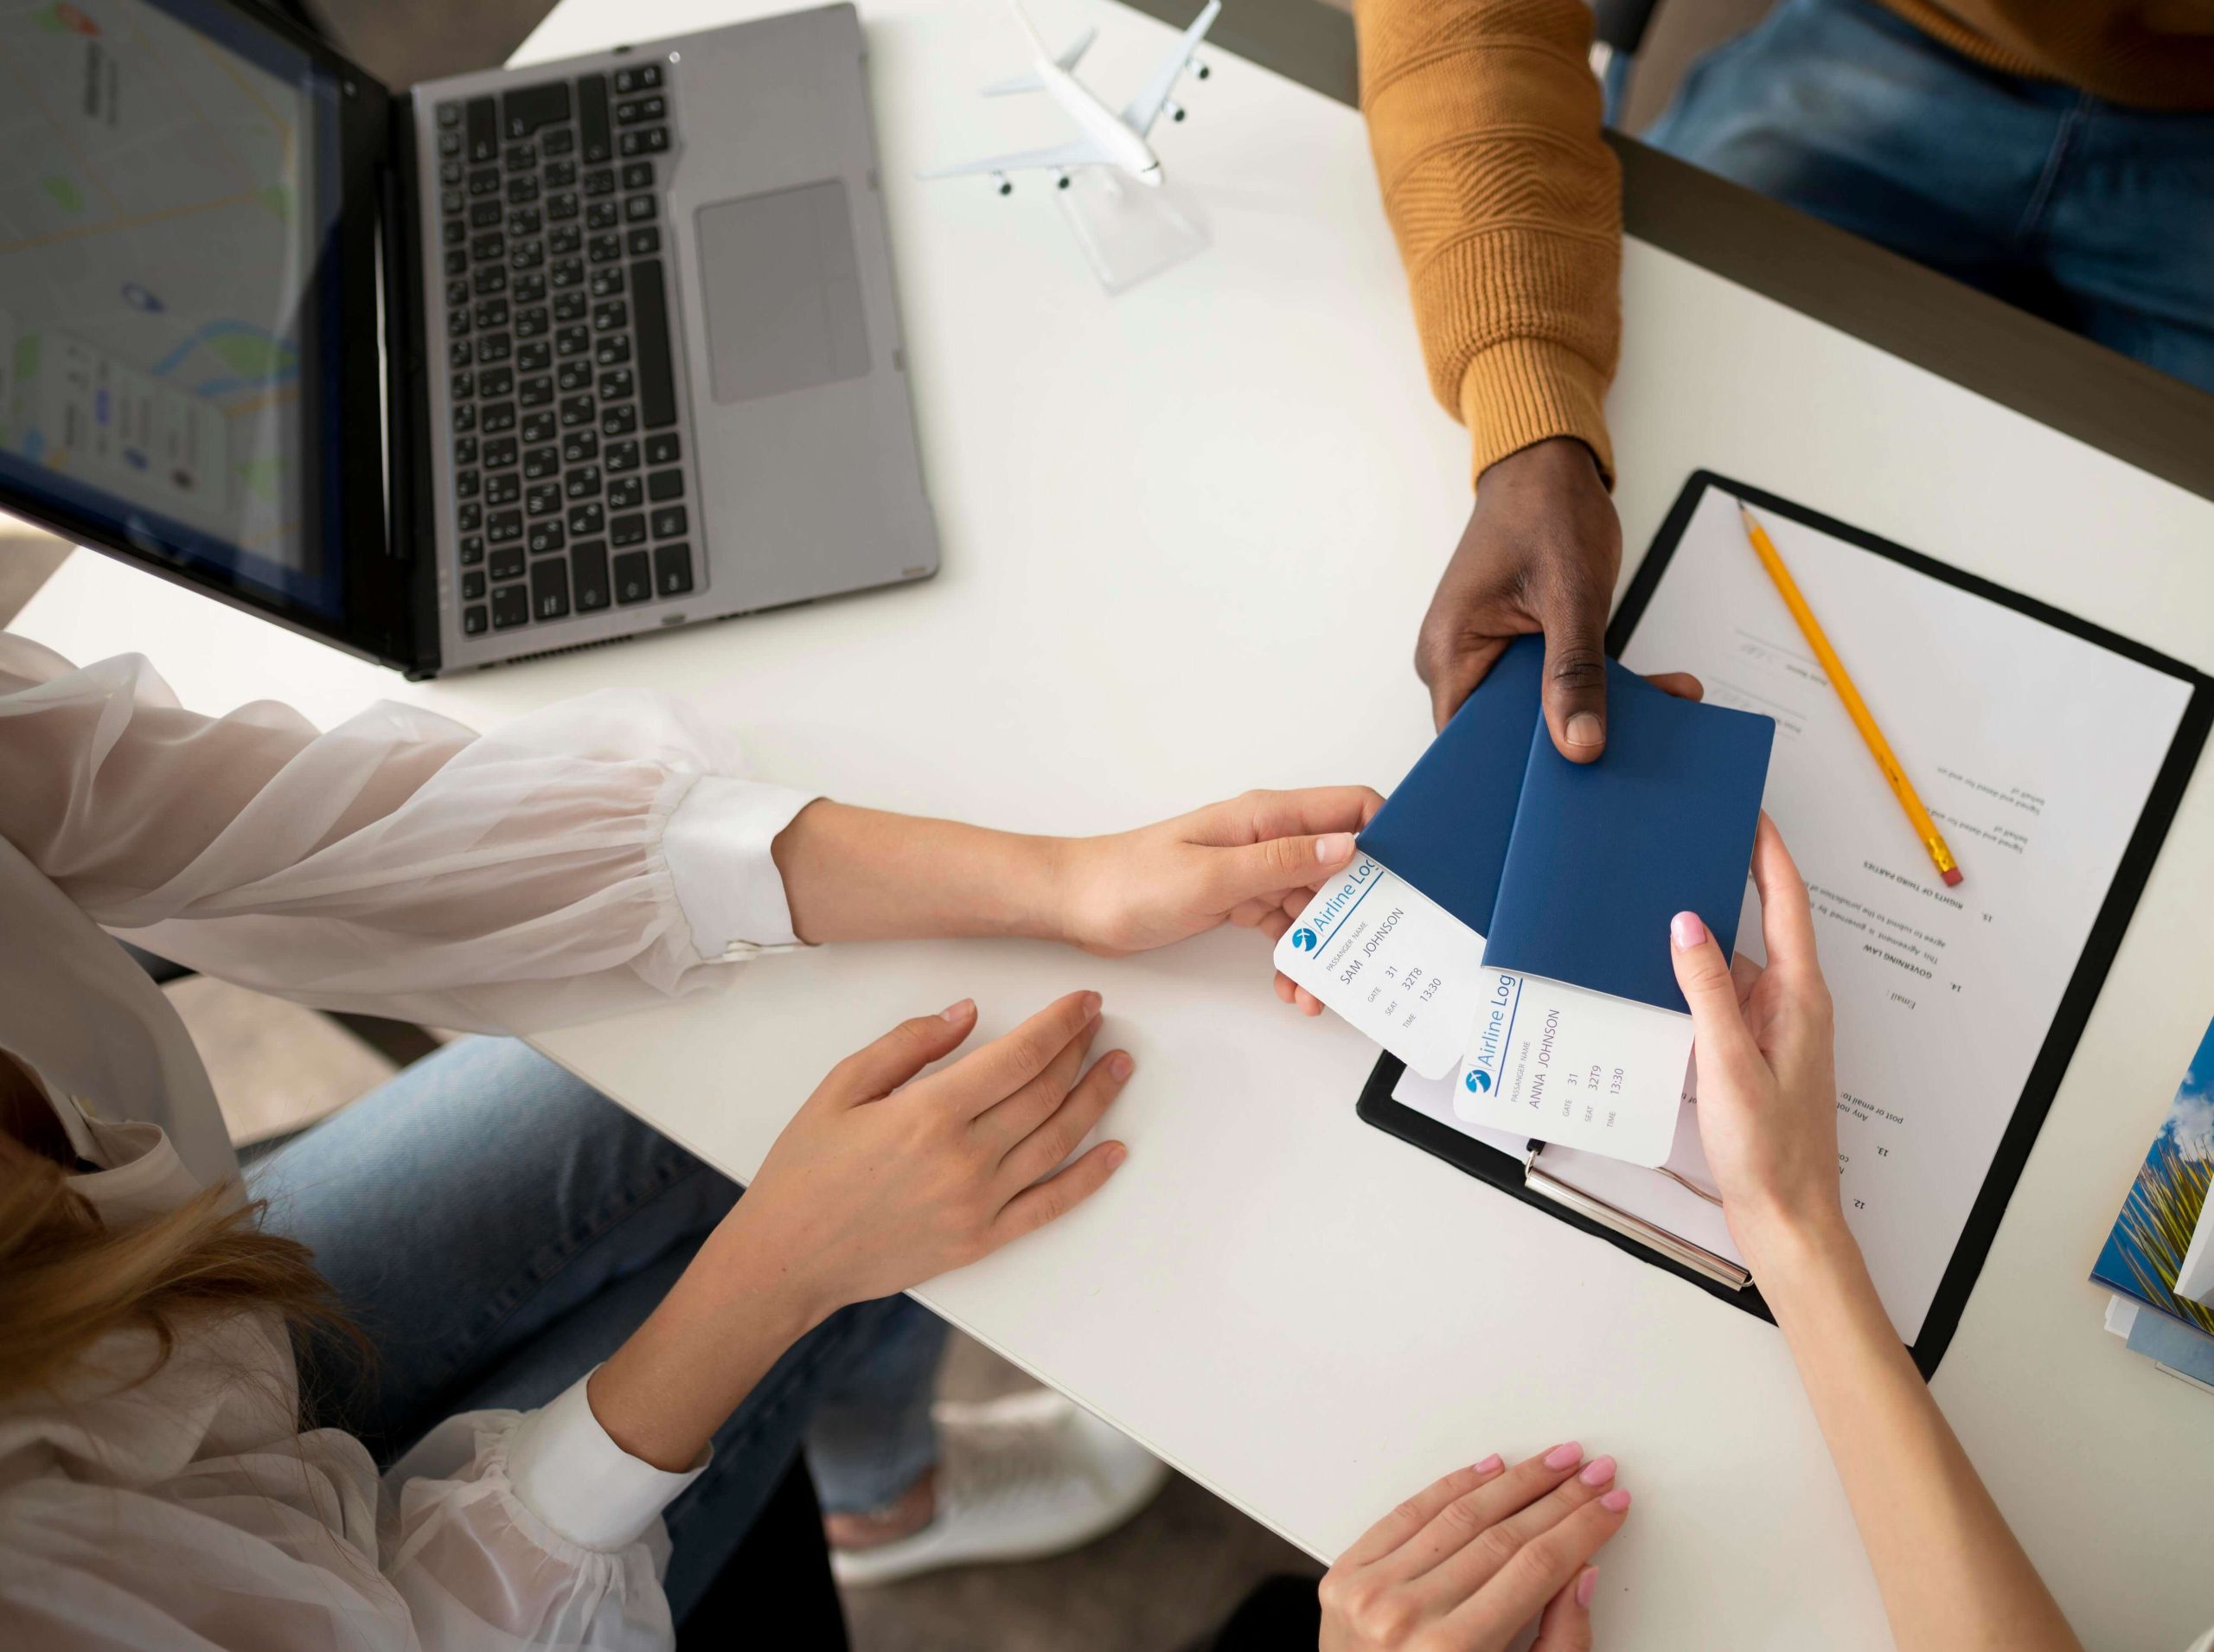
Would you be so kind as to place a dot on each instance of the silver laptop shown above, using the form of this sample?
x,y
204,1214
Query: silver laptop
x,y
500,365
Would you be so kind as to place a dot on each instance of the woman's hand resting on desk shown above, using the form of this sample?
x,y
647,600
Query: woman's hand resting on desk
x,y
1767,1080
1466,1564
884,1180
881,1180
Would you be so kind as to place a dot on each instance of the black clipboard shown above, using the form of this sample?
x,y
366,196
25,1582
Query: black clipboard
x,y
1507,1173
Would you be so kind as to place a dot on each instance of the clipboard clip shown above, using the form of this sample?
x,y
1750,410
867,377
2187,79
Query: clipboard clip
x,y
1676,1249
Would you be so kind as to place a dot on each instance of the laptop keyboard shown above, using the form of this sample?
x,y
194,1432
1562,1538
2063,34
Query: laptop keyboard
x,y
568,494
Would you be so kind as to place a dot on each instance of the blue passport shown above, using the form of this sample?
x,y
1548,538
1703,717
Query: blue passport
x,y
1572,871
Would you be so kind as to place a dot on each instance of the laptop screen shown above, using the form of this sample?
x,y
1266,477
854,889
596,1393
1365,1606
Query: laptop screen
x,y
169,189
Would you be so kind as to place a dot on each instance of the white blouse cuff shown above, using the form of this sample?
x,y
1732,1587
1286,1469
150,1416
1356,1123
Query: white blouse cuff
x,y
716,846
566,1470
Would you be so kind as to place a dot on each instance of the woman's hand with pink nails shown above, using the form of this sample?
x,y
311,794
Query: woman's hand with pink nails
x,y
1470,1561
1767,1109
1767,1083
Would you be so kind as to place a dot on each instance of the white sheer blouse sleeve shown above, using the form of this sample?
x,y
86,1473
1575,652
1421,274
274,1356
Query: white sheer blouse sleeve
x,y
580,860
508,1531
182,1512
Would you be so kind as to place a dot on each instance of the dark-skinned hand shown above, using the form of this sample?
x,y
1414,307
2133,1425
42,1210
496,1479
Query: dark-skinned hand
x,y
1540,554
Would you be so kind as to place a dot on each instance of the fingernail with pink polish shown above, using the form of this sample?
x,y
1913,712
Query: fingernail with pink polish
x,y
1615,1501
1598,1471
1586,1586
1565,1455
1685,930
1491,1464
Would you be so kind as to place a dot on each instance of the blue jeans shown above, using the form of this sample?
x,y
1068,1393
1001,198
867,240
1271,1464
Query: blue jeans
x,y
2095,216
498,1227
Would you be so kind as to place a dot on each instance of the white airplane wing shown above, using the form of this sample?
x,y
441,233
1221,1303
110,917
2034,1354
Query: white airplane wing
x,y
1142,110
1071,55
1082,152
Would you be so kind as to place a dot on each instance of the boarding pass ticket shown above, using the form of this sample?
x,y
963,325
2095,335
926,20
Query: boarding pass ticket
x,y
1554,1061
1537,1057
1399,966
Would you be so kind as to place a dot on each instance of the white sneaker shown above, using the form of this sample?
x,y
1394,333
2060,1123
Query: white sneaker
x,y
1018,1479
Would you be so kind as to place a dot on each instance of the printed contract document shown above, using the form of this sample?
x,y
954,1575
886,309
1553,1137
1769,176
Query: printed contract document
x,y
2035,751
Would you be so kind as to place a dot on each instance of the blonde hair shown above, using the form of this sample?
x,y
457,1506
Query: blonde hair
x,y
67,1279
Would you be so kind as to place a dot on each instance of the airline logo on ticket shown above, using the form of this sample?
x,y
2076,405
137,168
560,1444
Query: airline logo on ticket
x,y
1552,1062
1390,960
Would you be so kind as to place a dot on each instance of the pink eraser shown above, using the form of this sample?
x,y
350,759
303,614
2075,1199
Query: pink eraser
x,y
1952,877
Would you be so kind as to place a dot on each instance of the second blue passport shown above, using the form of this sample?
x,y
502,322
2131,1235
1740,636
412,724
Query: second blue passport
x,y
1572,871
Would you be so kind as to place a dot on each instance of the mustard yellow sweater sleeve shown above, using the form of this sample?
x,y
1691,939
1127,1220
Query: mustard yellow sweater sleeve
x,y
1484,118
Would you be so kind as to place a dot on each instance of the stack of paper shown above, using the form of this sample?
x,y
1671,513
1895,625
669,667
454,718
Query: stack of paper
x,y
2159,1260
1506,919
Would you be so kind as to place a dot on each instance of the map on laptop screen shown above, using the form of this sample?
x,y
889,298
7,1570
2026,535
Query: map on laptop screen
x,y
168,183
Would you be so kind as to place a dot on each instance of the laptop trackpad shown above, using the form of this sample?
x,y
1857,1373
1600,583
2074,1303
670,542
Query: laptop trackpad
x,y
782,292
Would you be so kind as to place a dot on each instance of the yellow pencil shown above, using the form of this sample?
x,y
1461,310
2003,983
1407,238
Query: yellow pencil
x,y
1855,706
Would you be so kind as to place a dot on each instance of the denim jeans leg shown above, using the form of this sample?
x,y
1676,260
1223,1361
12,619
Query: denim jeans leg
x,y
2127,236
767,1428
871,1438
1844,111
461,1208
2089,214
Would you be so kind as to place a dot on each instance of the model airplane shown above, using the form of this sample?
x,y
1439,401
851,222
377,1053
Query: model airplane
x,y
1105,138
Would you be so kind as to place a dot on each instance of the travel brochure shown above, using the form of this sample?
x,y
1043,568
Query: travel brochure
x,y
2160,1254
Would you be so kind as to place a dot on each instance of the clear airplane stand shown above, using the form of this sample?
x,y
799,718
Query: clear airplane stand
x,y
1128,233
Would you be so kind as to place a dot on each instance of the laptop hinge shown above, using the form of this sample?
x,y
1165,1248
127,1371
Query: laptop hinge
x,y
411,531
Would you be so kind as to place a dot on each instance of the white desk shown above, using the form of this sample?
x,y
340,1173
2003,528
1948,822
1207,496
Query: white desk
x,y
1155,509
